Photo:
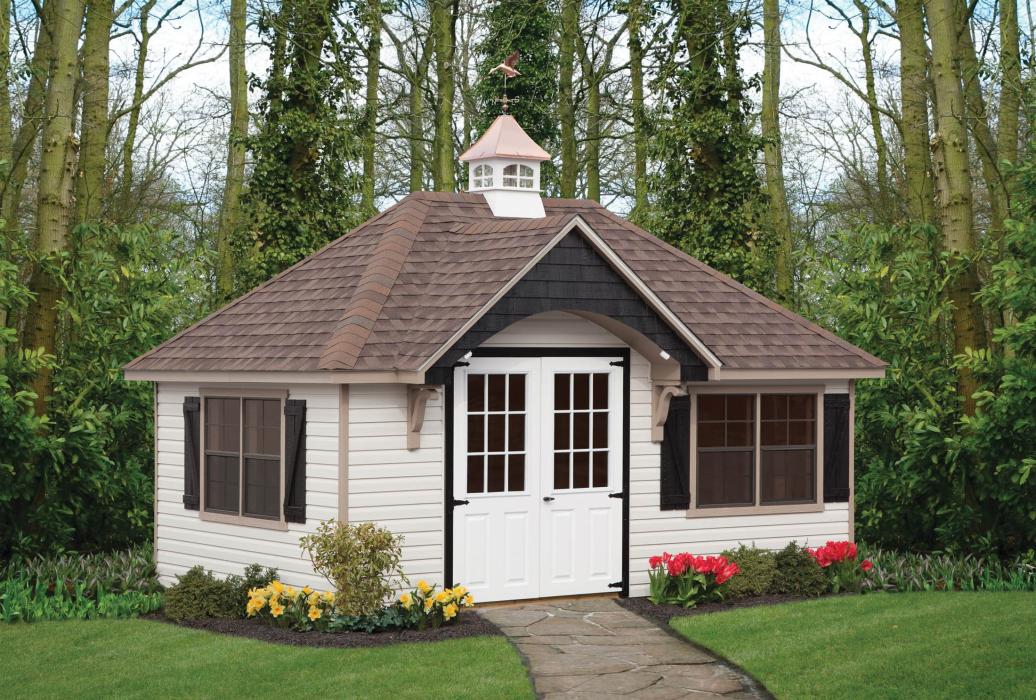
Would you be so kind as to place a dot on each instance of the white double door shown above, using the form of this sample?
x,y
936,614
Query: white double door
x,y
537,459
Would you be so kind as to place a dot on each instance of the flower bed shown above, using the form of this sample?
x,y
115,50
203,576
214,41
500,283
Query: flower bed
x,y
687,580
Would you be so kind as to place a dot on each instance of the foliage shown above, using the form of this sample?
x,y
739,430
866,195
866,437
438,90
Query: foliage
x,y
707,193
899,571
423,607
529,27
841,562
946,645
114,572
22,600
358,560
300,609
798,573
684,579
756,571
304,188
80,477
143,658
199,594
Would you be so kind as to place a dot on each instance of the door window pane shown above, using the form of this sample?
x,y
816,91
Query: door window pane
x,y
600,469
496,433
561,469
516,473
580,430
581,470
476,473
495,476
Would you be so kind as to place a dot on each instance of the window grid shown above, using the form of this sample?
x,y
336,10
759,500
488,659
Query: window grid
x,y
480,478
483,176
249,434
596,450
516,175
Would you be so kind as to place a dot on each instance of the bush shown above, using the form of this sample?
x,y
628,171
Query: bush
x,y
113,572
24,601
798,573
896,571
684,579
756,571
359,561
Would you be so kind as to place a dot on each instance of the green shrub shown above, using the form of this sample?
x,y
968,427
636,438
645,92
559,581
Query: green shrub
x,y
114,572
798,573
199,594
359,562
24,601
758,567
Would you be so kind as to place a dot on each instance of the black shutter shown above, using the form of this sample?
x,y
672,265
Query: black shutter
x,y
836,448
676,449
191,452
295,461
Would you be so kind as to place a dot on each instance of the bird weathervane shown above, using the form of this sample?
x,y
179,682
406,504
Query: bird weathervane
x,y
508,70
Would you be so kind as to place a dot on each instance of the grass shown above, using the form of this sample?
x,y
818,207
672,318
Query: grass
x,y
898,645
142,659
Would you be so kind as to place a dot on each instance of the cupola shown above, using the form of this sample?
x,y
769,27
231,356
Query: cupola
x,y
504,165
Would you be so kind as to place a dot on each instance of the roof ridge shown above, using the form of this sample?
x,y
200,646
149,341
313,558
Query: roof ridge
x,y
756,296
372,290
231,304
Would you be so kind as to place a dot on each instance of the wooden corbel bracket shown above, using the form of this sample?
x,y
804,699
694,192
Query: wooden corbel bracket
x,y
662,394
417,399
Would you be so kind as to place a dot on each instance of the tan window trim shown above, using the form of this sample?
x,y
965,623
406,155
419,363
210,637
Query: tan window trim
x,y
230,392
815,506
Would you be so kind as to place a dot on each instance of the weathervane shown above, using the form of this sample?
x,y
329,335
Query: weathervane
x,y
507,68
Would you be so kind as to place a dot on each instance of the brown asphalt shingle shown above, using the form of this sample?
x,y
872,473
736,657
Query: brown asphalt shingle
x,y
389,294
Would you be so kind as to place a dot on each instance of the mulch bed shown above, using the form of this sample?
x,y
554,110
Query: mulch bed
x,y
467,624
661,614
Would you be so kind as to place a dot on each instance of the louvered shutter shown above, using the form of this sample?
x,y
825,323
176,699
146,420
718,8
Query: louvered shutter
x,y
836,448
191,452
676,449
295,461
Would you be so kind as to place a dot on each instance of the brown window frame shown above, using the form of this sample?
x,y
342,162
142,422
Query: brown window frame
x,y
757,508
278,523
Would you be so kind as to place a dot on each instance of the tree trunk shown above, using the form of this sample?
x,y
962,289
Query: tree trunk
x,y
94,131
54,201
592,76
950,151
372,16
416,120
566,96
32,115
777,204
230,211
913,88
133,120
1010,90
444,13
880,146
636,50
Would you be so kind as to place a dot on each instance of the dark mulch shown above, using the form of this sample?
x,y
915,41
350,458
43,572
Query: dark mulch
x,y
661,614
467,624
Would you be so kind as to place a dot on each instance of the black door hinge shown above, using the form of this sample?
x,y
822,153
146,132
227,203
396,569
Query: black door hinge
x,y
458,502
620,494
618,363
617,584
461,364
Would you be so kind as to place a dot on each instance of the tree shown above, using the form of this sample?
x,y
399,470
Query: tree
x,y
566,96
913,95
777,198
90,179
444,18
371,17
707,193
635,13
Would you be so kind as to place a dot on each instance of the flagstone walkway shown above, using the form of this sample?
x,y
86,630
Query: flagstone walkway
x,y
592,648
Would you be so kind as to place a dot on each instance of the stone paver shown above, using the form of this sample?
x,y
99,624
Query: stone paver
x,y
592,648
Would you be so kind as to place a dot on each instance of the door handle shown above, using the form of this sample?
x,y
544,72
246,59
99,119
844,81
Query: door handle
x,y
548,499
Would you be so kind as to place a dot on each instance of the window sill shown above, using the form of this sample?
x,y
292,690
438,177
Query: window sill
x,y
242,520
728,511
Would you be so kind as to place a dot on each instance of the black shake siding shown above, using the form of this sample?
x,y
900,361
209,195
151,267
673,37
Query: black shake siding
x,y
572,277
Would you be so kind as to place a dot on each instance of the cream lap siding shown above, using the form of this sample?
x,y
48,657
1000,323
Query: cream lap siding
x,y
653,530
183,540
392,486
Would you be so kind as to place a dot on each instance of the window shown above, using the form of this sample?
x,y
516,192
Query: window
x,y
242,467
755,450
516,175
483,176
496,433
580,431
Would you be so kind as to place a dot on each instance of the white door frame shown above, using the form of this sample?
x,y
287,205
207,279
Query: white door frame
x,y
514,359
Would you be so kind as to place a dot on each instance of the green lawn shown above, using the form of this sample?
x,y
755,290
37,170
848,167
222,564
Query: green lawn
x,y
897,645
135,658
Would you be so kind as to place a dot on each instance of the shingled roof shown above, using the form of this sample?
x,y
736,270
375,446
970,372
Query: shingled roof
x,y
390,294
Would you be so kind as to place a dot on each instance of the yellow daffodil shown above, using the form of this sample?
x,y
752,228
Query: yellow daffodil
x,y
467,601
290,592
276,609
442,597
328,597
459,592
423,586
307,590
406,600
450,611
428,603
314,613
313,598
277,586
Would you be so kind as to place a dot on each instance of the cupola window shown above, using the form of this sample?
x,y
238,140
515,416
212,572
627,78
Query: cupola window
x,y
516,175
483,176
